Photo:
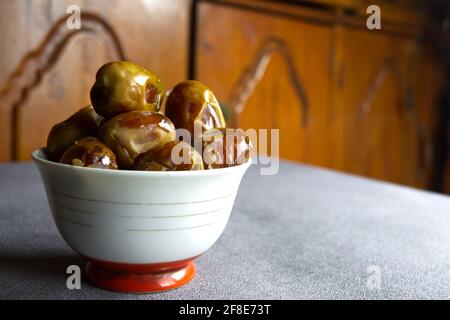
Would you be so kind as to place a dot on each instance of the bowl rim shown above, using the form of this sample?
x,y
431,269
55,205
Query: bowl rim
x,y
39,157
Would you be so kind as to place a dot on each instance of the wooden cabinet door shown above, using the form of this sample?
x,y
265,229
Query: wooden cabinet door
x,y
46,70
428,113
374,97
446,174
269,71
342,96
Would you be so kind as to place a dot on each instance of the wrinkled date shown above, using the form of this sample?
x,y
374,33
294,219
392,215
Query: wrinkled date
x,y
225,147
133,133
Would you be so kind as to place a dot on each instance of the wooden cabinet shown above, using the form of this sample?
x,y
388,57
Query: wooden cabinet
x,y
387,91
46,69
446,174
379,106
269,72
342,96
429,88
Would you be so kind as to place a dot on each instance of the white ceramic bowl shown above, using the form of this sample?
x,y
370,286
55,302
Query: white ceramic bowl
x,y
139,218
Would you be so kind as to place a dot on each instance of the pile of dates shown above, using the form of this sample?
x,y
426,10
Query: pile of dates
x,y
125,127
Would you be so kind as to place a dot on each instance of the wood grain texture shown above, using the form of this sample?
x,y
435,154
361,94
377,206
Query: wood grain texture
x,y
386,99
446,174
401,17
34,66
156,37
371,97
289,89
342,96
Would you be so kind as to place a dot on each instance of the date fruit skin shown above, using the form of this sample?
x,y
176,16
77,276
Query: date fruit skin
x,y
85,122
123,128
123,86
90,152
174,156
225,147
192,105
133,133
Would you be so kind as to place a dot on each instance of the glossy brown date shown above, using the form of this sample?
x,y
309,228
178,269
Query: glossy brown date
x,y
133,133
123,86
191,104
83,123
225,148
175,155
90,152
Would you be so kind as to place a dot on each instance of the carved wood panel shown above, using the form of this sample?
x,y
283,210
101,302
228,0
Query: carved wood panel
x,y
343,97
385,124
46,70
429,85
269,72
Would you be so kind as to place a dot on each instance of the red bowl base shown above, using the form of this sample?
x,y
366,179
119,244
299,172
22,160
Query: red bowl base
x,y
139,278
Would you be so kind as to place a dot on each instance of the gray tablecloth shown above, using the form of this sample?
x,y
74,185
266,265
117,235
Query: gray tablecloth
x,y
305,233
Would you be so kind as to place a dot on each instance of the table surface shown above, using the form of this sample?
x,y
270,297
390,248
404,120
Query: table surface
x,y
305,233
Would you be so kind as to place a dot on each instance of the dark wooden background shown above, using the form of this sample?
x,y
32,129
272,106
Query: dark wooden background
x,y
344,97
